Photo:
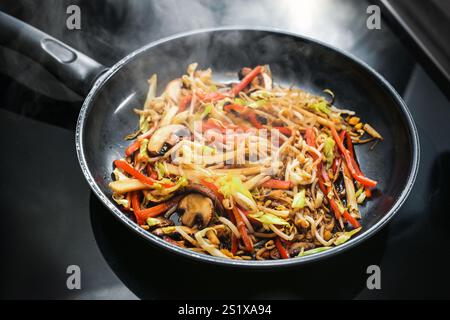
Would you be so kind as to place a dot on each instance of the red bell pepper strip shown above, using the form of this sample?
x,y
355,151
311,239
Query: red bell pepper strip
x,y
326,190
132,148
277,184
213,188
358,177
348,141
246,81
136,205
284,130
136,174
242,229
234,244
310,137
210,97
213,124
143,214
251,116
254,119
158,209
351,150
151,172
234,107
342,135
283,252
333,204
184,102
347,216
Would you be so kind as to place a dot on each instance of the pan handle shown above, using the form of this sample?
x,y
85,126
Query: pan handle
x,y
73,68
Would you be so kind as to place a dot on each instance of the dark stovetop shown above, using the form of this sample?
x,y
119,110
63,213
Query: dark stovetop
x,y
52,220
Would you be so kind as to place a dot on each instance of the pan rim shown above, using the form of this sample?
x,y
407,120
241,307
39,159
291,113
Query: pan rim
x,y
103,79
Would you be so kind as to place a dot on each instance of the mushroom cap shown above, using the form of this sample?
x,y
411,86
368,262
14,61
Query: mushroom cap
x,y
197,210
199,188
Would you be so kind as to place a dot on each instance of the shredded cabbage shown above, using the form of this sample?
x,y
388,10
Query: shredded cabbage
x,y
254,104
143,124
360,195
232,186
268,218
313,251
345,236
160,170
201,115
299,199
120,200
151,222
328,151
143,155
182,182
321,106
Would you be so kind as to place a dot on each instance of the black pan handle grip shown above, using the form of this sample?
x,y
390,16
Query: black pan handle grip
x,y
73,68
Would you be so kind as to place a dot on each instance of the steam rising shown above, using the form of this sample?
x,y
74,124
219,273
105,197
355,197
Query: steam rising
x,y
114,28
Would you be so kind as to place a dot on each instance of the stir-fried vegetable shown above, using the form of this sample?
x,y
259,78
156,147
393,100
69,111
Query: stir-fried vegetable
x,y
244,170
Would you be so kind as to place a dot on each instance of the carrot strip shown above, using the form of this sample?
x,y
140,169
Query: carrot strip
x,y
234,107
141,177
158,209
210,97
184,102
310,137
283,252
284,130
132,148
358,177
143,214
234,244
213,188
277,184
151,172
246,81
349,218
136,205
242,229
254,120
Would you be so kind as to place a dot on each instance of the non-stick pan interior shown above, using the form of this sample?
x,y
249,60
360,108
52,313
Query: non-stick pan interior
x,y
295,61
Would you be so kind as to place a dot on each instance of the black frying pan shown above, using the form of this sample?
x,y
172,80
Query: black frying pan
x,y
106,116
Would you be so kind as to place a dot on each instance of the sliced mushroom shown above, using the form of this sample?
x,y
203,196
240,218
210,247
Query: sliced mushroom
x,y
173,89
198,188
196,210
166,137
296,248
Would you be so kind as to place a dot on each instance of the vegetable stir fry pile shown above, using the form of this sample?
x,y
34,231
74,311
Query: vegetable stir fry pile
x,y
244,170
